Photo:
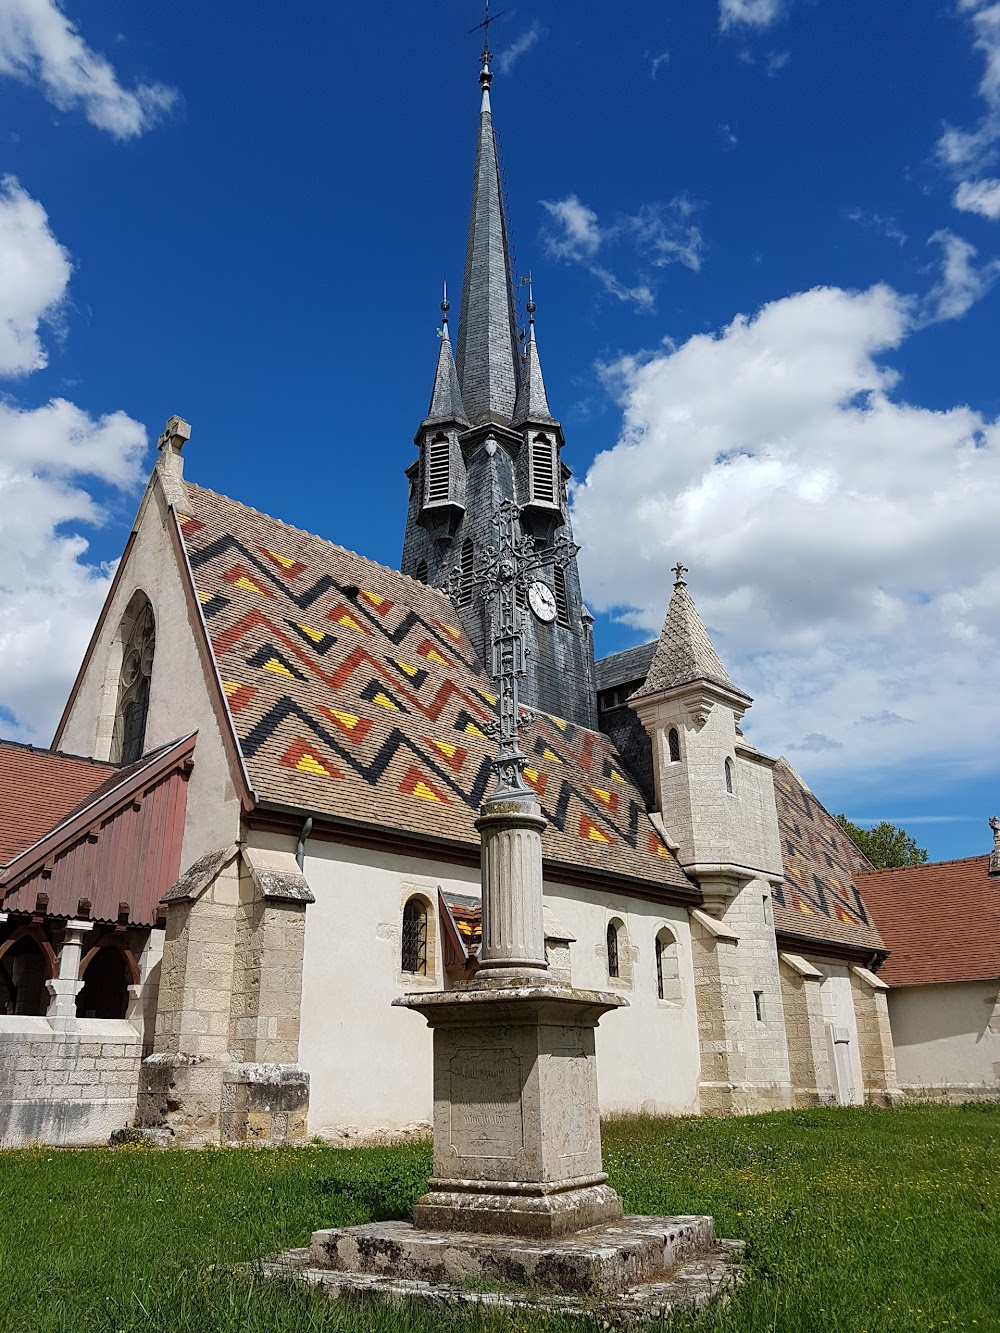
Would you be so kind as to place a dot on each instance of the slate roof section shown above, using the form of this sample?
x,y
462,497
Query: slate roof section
x,y
684,652
446,397
532,400
823,869
39,789
356,695
940,920
624,667
487,331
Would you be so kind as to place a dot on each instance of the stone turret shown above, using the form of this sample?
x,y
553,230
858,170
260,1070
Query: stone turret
x,y
715,797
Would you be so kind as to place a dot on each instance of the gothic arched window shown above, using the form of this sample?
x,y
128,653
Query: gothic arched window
x,y
729,776
668,978
614,962
138,634
674,745
414,943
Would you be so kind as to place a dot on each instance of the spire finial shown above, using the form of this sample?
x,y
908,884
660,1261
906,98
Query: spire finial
x,y
445,303
530,307
485,76
679,572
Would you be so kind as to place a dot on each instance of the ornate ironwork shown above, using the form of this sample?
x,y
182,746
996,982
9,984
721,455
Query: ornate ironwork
x,y
501,575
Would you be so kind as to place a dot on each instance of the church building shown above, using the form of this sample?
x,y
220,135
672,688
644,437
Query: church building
x,y
256,824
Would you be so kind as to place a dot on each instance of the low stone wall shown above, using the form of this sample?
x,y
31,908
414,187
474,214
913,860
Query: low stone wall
x,y
67,1088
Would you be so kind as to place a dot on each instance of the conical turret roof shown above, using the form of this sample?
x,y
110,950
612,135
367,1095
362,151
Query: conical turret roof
x,y
684,653
446,396
487,358
532,401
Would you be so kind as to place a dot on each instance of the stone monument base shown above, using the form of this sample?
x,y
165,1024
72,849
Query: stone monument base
x,y
641,1268
520,1209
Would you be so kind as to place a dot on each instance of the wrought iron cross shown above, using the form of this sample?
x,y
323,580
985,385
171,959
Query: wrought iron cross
x,y
501,571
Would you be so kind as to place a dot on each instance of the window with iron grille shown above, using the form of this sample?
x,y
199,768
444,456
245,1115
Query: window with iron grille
x,y
561,596
613,961
438,469
674,745
466,564
543,470
414,950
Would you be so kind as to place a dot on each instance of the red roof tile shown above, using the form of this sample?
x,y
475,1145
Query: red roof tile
x,y
941,921
38,789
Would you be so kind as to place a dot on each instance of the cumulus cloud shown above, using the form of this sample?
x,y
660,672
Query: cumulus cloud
x,y
748,13
34,271
843,541
510,55
982,197
961,283
659,234
39,44
52,460
968,153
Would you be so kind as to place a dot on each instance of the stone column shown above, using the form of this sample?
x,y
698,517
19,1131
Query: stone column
x,y
513,926
66,987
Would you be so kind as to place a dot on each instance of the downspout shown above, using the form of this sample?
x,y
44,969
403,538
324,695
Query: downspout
x,y
300,846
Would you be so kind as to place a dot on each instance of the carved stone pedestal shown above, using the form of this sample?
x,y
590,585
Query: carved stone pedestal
x,y
517,1135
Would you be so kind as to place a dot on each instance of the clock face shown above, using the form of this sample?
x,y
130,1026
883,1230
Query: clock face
x,y
542,601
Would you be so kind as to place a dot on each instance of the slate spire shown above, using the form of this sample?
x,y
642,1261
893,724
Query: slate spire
x,y
684,652
532,403
446,396
487,357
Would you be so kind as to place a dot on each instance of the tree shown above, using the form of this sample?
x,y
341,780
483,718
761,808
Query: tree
x,y
885,845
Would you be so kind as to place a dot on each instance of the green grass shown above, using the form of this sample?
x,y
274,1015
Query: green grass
x,y
855,1220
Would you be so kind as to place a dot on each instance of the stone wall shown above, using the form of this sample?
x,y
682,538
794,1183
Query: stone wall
x,y
805,1032
67,1088
878,1060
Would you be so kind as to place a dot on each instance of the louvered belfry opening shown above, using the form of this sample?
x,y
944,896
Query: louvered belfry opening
x,y
543,471
466,564
561,596
438,470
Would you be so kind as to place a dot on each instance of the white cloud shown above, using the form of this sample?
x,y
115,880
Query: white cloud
x,y
885,226
660,233
39,44
509,56
34,271
981,197
969,152
748,13
655,61
961,284
843,542
51,458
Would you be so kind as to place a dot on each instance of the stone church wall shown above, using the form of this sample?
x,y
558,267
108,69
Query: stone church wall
x,y
947,1040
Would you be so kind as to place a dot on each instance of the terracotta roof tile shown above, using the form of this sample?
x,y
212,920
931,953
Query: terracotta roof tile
x,y
941,921
819,897
38,789
355,693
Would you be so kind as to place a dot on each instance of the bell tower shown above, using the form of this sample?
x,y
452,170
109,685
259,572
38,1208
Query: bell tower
x,y
489,436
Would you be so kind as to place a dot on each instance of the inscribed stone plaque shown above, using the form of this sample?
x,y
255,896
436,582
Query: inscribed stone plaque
x,y
486,1102
575,1074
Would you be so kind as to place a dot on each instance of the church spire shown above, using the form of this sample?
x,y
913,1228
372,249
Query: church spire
x,y
446,396
684,653
487,333
532,403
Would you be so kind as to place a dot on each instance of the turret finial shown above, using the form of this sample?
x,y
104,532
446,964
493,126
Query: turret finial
x,y
530,307
445,303
679,572
485,75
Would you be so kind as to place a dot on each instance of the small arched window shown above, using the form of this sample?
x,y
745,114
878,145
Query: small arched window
x,y
668,977
420,573
729,776
138,634
614,962
414,944
104,993
438,469
674,745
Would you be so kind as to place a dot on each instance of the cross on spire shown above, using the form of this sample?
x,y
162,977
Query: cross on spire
x,y
485,25
679,572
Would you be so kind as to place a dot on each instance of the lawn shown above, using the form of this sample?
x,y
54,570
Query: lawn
x,y
855,1220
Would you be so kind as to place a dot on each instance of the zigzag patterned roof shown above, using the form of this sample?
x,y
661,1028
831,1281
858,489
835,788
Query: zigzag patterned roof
x,y
819,897
355,693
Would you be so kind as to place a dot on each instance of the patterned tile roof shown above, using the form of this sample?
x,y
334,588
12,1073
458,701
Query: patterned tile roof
x,y
819,897
941,921
38,789
355,694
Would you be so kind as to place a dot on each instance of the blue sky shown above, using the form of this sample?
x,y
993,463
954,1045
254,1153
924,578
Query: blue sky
x,y
765,239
